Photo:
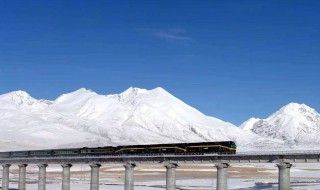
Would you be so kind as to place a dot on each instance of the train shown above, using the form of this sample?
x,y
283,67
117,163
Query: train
x,y
222,147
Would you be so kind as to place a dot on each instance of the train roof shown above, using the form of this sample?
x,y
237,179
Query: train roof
x,y
141,145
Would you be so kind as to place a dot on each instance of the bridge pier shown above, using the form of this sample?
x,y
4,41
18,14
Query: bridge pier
x,y
66,176
171,176
222,178
284,176
22,176
129,178
94,184
42,176
5,176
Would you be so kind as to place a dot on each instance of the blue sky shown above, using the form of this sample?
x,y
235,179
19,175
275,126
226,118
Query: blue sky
x,y
229,59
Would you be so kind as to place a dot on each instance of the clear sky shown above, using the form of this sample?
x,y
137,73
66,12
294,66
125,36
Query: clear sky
x,y
229,59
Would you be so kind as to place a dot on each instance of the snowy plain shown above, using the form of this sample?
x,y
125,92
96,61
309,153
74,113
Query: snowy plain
x,y
303,176
233,184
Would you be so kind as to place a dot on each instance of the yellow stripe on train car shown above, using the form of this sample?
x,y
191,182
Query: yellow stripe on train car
x,y
207,146
169,148
129,149
175,147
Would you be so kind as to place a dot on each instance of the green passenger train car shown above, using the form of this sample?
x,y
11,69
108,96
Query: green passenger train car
x,y
19,154
66,152
218,147
4,154
223,147
151,149
40,153
97,151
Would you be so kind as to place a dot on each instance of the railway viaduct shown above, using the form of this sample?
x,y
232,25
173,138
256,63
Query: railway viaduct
x,y
283,160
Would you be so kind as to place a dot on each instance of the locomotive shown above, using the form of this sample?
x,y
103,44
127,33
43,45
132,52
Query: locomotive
x,y
223,147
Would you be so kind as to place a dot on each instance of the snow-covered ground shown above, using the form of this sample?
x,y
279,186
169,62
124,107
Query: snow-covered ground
x,y
233,184
83,187
303,176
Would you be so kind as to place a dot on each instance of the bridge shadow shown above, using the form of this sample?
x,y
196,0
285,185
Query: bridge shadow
x,y
262,186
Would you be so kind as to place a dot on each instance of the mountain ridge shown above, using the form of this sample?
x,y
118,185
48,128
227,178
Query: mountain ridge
x,y
135,116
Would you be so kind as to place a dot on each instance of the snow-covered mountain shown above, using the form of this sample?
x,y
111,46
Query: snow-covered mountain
x,y
84,118
296,124
248,125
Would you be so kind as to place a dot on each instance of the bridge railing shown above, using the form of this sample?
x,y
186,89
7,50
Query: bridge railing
x,y
279,152
120,156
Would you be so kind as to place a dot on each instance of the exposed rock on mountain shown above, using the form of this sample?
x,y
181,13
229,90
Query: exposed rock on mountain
x,y
294,123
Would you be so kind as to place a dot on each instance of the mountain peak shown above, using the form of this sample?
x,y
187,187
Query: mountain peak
x,y
248,125
294,123
133,91
82,92
294,105
142,90
18,97
294,109
19,93
130,94
159,90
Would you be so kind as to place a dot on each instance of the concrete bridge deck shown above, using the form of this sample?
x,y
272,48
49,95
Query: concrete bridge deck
x,y
268,157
